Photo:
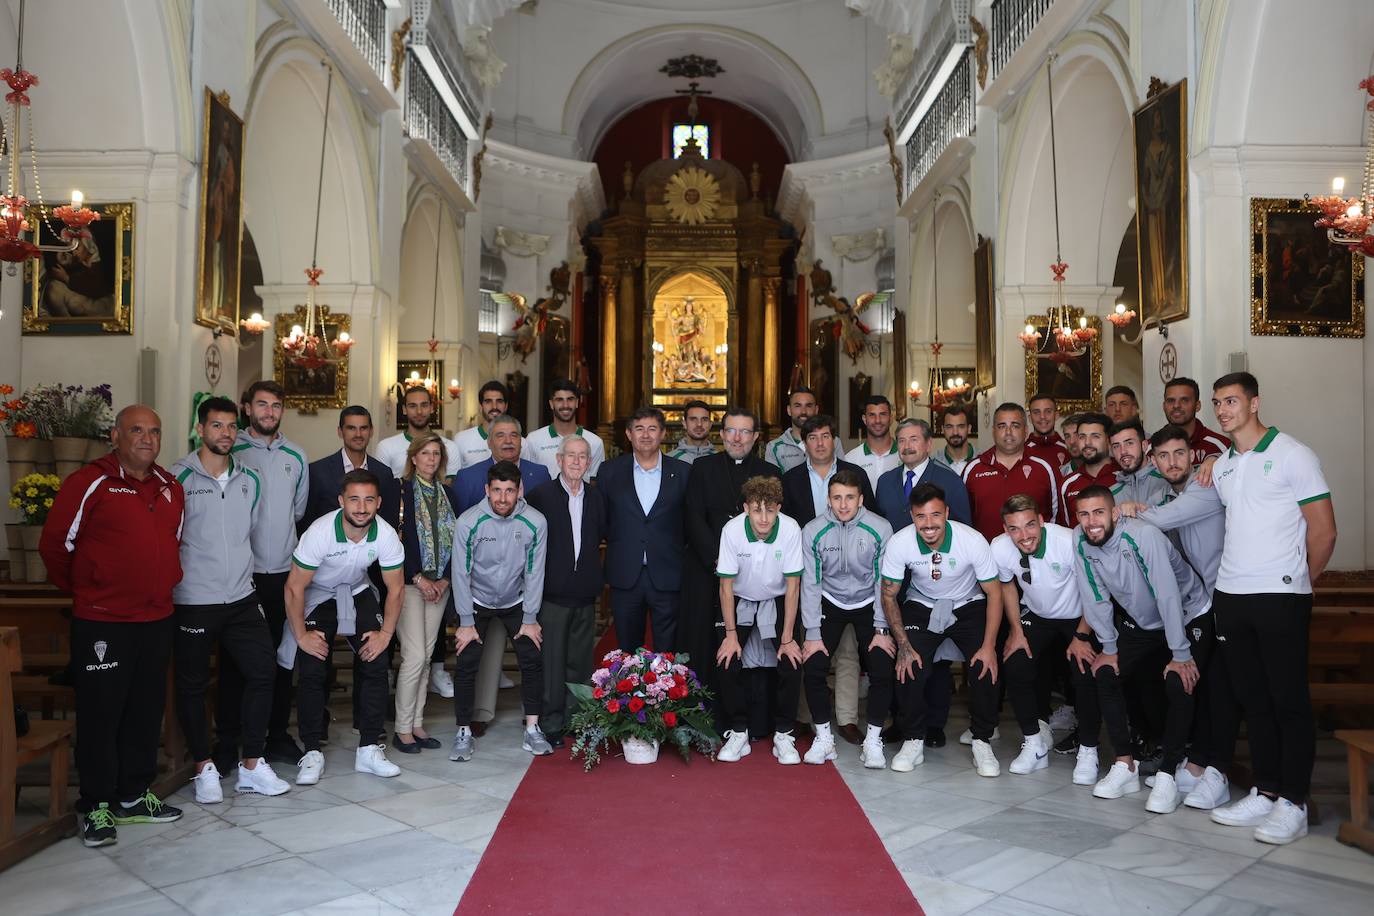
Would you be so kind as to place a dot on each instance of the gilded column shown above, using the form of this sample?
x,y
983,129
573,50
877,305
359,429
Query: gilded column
x,y
626,381
772,348
752,367
606,398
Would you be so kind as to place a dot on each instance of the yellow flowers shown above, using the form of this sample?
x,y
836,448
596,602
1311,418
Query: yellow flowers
x,y
33,495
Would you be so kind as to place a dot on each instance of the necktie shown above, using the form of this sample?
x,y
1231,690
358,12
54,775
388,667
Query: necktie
x,y
910,481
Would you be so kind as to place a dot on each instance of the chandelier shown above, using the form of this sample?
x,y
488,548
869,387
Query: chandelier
x,y
1069,342
1347,221
945,390
14,247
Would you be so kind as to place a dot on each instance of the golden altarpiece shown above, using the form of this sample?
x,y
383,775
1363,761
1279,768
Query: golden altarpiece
x,y
690,292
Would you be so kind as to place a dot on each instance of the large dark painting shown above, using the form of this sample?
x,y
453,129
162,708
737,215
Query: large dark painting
x,y
1161,181
984,316
1303,286
221,215
90,289
1075,379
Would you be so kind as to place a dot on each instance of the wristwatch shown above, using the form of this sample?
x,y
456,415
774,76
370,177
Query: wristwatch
x,y
1086,637
882,631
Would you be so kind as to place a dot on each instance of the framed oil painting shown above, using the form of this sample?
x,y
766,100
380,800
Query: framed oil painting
x,y
88,290
1075,379
1301,284
221,216
312,387
1161,195
984,317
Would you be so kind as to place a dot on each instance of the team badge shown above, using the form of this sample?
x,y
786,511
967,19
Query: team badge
x,y
100,647
1268,466
1026,469
1055,567
1197,632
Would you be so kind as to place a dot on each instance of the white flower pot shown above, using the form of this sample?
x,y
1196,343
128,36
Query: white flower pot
x,y
637,750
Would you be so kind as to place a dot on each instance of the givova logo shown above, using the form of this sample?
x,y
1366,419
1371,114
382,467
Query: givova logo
x,y
101,647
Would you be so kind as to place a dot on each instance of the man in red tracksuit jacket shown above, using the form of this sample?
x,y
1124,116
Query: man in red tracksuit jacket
x,y
111,539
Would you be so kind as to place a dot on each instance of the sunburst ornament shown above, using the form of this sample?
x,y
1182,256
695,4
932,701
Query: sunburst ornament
x,y
692,195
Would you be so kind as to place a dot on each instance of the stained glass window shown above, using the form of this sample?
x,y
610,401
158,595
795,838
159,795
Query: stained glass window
x,y
700,132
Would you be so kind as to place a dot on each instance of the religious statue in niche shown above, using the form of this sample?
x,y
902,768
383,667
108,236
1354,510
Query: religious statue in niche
x,y
532,320
690,364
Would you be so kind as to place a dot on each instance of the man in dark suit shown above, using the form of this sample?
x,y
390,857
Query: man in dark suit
x,y
804,487
645,492
470,485
914,439
713,498
355,431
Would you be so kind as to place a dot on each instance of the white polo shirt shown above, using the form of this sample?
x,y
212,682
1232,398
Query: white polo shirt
x,y
874,465
759,567
1051,592
470,446
541,447
965,561
338,562
392,450
1264,491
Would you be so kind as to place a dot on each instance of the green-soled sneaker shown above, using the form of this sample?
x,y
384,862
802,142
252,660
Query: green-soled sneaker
x,y
147,810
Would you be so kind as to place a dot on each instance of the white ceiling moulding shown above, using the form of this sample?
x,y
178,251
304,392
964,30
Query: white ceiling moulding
x,y
578,180
848,175
521,244
859,246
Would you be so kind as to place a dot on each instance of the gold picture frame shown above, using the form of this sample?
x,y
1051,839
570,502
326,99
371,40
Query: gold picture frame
x,y
310,389
1077,384
1301,284
984,317
1161,193
89,290
220,242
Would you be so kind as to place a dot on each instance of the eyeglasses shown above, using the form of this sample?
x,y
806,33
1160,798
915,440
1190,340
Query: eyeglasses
x,y
727,431
1025,565
935,561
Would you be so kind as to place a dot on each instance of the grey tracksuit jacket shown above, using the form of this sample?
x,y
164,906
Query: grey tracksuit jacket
x,y
843,560
1195,521
499,561
689,453
1144,485
281,467
1147,577
216,558
786,451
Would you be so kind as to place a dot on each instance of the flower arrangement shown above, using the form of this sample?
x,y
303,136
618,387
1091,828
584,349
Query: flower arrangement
x,y
650,696
79,413
17,415
32,496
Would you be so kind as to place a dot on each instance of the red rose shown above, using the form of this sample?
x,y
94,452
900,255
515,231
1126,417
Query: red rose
x,y
624,685
670,656
650,678
636,704
613,706
679,680
677,693
670,719
598,693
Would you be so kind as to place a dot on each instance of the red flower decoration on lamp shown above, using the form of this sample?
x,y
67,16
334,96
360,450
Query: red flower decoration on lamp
x,y
19,81
313,275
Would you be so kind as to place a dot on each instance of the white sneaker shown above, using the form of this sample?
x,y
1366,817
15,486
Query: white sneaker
x,y
1085,767
1034,756
372,759
911,755
1286,823
1185,780
872,755
208,789
505,683
785,748
1120,780
966,739
984,760
262,779
311,768
1212,790
821,750
1046,734
1164,796
1063,719
440,681
1250,811
736,746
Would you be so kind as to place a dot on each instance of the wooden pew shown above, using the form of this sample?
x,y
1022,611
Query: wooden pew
x,y
44,738
1360,753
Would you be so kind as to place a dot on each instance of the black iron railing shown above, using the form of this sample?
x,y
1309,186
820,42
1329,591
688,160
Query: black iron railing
x,y
428,118
950,116
1012,22
365,23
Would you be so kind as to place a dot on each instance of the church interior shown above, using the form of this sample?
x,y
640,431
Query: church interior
x,y
937,201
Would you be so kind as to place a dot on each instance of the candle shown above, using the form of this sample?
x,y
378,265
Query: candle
x,y
1337,185
77,200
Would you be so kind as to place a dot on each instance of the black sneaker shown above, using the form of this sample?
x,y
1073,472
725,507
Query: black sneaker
x,y
555,739
147,810
1068,744
282,749
97,826
935,737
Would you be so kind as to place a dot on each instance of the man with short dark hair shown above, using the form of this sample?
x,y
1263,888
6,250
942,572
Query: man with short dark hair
x,y
541,445
1120,404
1043,412
355,432
1096,469
804,487
696,427
958,450
1182,400
1137,481
878,450
1006,469
787,450
1069,429
418,407
470,446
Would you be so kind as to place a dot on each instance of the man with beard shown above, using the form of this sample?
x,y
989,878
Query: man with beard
x,y
1072,444
1097,470
418,406
1043,411
1120,404
471,446
1181,402
696,423
1150,613
958,451
541,445
787,451
878,450
1006,470
283,470
1137,481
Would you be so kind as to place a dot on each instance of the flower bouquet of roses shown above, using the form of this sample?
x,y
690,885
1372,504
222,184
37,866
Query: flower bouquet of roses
x,y
646,696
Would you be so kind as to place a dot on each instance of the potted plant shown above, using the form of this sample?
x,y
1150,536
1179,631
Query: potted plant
x,y
642,699
78,417
32,497
26,432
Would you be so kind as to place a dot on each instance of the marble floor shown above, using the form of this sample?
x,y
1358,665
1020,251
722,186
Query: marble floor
x,y
357,844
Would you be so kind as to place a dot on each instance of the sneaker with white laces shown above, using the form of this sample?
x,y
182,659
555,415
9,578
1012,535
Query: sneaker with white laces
x,y
1185,780
1250,811
736,746
785,748
1035,755
821,750
462,745
1212,790
311,767
872,755
535,742
371,758
1120,780
262,779
1085,767
440,681
911,755
208,789
984,760
966,739
1286,822
1063,719
1164,795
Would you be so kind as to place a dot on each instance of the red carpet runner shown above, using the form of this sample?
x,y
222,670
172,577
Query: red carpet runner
x,y
674,837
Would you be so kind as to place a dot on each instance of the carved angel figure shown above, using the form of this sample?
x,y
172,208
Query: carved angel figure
x,y
529,325
846,326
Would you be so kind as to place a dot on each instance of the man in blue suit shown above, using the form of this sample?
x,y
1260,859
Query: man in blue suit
x,y
894,488
645,493
355,432
470,484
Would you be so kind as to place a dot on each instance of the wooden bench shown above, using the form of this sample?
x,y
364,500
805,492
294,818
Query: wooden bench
x,y
52,739
1359,747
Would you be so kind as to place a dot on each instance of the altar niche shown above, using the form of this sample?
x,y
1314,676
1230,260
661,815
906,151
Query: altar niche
x,y
691,350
